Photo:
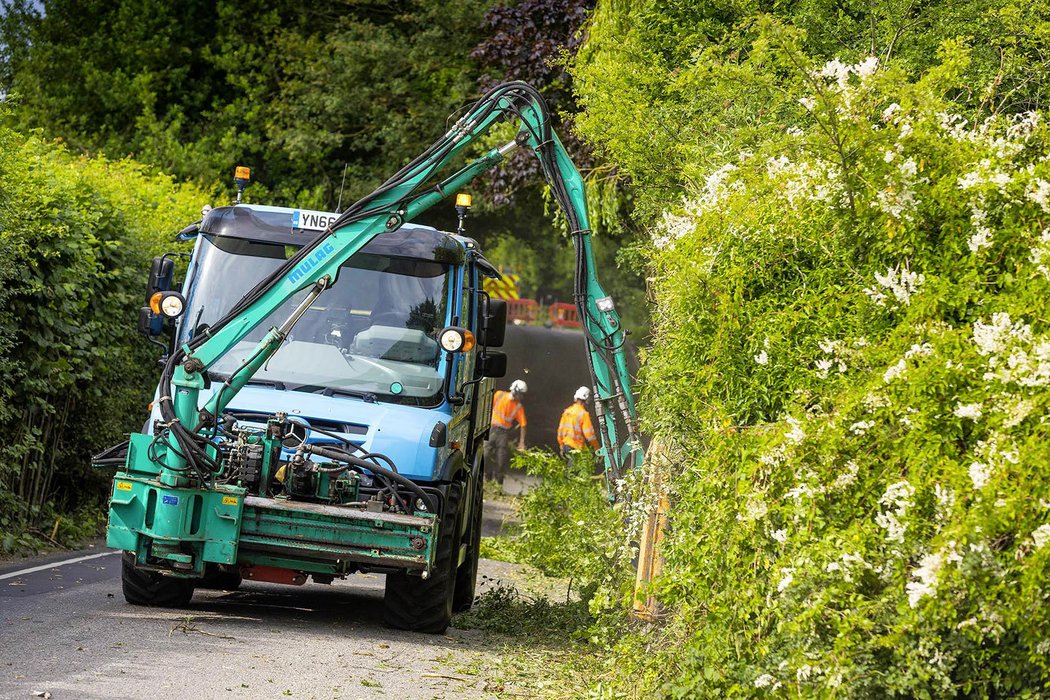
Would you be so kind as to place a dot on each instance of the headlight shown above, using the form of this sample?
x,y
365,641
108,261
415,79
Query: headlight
x,y
454,339
170,304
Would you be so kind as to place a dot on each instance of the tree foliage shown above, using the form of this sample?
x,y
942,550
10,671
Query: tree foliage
x,y
75,244
296,90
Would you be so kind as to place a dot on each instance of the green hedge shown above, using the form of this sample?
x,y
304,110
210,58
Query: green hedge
x,y
850,363
76,237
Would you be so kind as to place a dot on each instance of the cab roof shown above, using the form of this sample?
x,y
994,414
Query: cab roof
x,y
286,226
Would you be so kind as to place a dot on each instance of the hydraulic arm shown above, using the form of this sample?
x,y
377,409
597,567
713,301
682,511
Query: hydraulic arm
x,y
184,449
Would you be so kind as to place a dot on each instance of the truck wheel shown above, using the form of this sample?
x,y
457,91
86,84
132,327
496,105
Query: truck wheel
x,y
467,573
425,605
153,589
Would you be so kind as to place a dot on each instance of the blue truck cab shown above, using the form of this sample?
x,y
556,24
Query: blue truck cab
x,y
361,375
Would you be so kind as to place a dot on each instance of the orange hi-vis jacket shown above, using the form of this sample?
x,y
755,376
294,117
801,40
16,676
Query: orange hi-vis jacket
x,y
575,429
505,410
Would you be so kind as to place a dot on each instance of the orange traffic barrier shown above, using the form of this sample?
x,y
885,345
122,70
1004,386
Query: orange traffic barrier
x,y
562,314
524,310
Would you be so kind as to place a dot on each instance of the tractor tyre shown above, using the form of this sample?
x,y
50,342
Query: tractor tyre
x,y
425,605
467,573
153,589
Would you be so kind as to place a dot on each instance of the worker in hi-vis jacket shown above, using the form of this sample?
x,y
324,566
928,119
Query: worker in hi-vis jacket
x,y
575,429
506,411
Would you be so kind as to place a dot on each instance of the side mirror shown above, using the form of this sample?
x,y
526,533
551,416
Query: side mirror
x,y
493,323
150,324
161,275
492,364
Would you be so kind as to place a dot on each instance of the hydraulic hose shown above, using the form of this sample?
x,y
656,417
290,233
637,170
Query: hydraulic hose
x,y
342,456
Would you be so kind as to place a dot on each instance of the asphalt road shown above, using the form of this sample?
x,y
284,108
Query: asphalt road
x,y
66,630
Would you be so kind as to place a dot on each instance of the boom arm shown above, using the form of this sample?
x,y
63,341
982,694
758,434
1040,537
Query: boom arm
x,y
412,190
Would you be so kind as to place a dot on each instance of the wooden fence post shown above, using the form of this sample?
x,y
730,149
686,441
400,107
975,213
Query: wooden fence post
x,y
650,562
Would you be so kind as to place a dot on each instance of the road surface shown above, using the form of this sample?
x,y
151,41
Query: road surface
x,y
66,630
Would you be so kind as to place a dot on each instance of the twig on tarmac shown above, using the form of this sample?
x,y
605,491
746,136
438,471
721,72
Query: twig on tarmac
x,y
187,626
439,675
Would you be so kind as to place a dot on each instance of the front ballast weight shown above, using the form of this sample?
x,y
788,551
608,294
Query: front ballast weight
x,y
347,512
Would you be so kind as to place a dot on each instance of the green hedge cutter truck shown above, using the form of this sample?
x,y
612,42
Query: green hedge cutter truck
x,y
325,402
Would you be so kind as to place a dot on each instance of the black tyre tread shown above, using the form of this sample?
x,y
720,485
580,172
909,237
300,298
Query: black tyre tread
x,y
467,573
152,589
425,605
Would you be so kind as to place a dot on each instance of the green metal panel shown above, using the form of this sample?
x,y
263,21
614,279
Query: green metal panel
x,y
304,533
146,514
138,460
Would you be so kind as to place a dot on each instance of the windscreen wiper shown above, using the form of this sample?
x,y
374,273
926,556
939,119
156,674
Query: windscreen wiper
x,y
366,396
272,383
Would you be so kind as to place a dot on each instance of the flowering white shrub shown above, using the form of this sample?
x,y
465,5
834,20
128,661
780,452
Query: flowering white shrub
x,y
869,514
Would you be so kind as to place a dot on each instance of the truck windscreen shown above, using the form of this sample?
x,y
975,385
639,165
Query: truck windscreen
x,y
373,331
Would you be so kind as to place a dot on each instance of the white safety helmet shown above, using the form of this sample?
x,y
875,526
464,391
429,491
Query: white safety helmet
x,y
582,394
519,387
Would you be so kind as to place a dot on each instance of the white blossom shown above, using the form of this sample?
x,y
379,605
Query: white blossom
x,y
840,72
898,198
926,578
861,427
898,369
762,358
1039,192
837,71
968,410
980,473
867,67
718,186
900,281
780,535
1014,355
796,435
985,176
874,400
894,371
1040,253
1041,536
990,337
774,457
753,510
896,500
1017,411
787,576
892,525
767,681
945,500
888,113
847,477
848,563
982,236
